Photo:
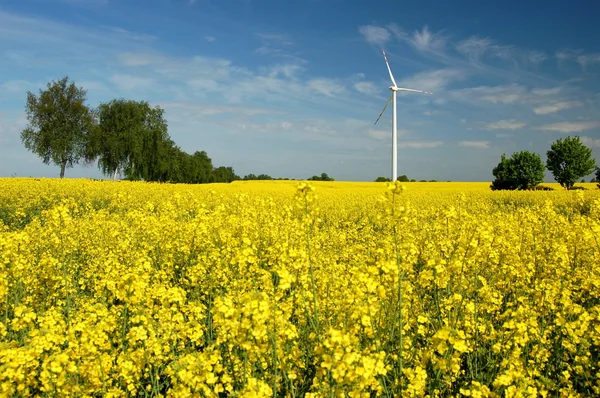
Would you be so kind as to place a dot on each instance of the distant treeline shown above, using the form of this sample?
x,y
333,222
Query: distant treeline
x,y
123,136
402,178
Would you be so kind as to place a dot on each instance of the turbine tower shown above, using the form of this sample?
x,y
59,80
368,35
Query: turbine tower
x,y
394,88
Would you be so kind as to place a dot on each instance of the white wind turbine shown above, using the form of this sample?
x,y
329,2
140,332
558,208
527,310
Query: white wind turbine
x,y
394,88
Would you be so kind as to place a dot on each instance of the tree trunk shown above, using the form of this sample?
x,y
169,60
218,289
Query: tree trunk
x,y
63,166
115,174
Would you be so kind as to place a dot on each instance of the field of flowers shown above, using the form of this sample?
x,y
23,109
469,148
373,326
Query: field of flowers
x,y
285,289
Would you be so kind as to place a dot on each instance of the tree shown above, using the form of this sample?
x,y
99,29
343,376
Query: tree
x,y
598,176
523,170
59,124
568,160
383,179
132,138
119,140
403,178
224,174
323,177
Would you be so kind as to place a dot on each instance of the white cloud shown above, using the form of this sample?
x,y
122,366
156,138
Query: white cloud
x,y
134,36
131,82
210,39
139,58
505,125
509,94
208,110
367,88
504,135
419,144
430,113
473,47
555,107
537,57
327,87
474,144
375,35
590,142
285,70
278,38
565,54
546,91
18,86
586,59
435,80
428,41
569,127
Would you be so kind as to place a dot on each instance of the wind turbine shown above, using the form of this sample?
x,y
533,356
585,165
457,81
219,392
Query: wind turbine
x,y
394,88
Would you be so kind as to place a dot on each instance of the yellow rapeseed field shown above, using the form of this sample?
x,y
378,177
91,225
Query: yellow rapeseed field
x,y
289,289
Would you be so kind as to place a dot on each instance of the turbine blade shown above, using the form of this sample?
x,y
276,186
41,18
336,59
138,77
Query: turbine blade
x,y
389,70
413,90
384,108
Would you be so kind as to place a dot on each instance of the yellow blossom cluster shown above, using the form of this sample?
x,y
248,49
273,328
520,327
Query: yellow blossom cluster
x,y
296,289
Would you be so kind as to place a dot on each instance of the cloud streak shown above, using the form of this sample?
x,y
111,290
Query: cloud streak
x,y
569,127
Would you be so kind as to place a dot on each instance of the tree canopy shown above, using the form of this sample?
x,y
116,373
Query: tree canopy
x,y
59,125
569,160
523,170
323,177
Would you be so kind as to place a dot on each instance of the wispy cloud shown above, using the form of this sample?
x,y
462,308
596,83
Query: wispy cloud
x,y
135,36
555,107
474,144
419,144
209,109
590,142
375,35
503,94
474,47
210,39
131,82
425,40
435,80
278,38
328,87
367,88
505,125
569,127
140,58
588,59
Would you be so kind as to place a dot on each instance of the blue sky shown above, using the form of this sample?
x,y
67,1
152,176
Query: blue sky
x,y
292,88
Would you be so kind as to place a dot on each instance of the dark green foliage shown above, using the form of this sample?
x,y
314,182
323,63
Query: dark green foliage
x,y
597,179
323,177
568,160
224,174
523,170
403,178
543,188
251,177
59,124
383,179
132,138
